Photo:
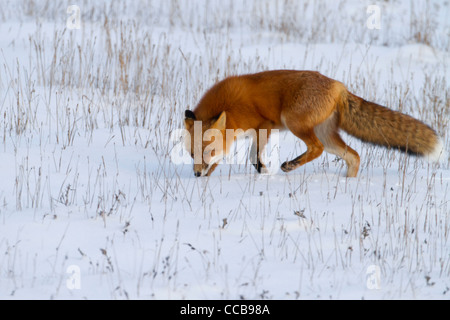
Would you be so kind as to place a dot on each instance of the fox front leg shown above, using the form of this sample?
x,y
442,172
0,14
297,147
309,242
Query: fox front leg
x,y
259,142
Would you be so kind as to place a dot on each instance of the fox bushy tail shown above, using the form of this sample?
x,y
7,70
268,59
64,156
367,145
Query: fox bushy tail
x,y
382,126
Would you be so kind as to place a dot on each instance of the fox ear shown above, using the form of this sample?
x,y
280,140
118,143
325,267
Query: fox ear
x,y
189,118
221,122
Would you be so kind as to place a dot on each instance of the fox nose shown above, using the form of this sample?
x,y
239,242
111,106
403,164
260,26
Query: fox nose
x,y
197,173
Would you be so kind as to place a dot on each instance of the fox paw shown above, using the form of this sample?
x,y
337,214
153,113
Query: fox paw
x,y
288,166
260,167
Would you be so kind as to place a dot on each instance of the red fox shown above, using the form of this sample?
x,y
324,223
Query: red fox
x,y
313,107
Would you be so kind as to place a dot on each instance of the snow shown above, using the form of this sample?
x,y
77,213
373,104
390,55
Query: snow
x,y
93,207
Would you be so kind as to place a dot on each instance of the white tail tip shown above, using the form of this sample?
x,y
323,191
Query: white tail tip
x,y
438,153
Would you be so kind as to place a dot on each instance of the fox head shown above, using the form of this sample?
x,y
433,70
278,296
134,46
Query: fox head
x,y
206,142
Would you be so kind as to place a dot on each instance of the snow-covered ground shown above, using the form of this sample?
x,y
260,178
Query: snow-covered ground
x,y
92,205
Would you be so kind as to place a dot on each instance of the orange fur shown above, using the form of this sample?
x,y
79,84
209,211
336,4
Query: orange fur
x,y
313,107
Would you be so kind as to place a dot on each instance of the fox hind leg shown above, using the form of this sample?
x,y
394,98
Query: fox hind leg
x,y
333,143
314,150
313,144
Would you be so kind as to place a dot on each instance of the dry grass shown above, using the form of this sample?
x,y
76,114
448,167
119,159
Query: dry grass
x,y
86,117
